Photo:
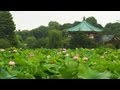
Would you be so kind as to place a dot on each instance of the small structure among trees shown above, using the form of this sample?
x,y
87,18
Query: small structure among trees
x,y
111,39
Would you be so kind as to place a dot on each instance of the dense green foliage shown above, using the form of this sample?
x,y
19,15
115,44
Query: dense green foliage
x,y
55,36
80,39
4,43
52,36
93,21
100,63
113,29
7,28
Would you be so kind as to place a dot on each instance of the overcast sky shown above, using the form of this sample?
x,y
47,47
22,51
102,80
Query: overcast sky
x,y
27,20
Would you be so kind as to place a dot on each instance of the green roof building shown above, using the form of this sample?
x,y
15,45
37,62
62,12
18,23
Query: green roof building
x,y
84,26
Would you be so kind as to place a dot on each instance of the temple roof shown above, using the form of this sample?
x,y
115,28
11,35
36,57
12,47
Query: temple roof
x,y
84,26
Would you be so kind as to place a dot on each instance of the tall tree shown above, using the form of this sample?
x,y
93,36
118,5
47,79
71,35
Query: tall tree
x,y
55,39
112,28
54,25
76,23
66,26
7,27
24,34
93,21
40,32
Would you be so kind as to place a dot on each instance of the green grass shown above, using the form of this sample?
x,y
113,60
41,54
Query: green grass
x,y
100,63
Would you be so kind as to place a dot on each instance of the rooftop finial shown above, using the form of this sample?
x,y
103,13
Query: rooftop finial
x,y
83,18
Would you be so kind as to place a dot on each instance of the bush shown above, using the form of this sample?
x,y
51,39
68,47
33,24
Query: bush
x,y
65,42
109,46
4,43
80,39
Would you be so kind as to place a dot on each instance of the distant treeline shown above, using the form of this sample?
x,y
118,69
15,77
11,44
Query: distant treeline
x,y
54,35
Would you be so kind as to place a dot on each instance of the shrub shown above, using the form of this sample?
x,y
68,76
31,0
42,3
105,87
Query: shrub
x,y
80,39
109,46
4,43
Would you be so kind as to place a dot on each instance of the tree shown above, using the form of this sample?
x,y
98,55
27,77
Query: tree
x,y
69,25
55,37
66,26
7,27
112,28
40,32
42,42
24,34
20,41
93,22
75,23
31,42
54,25
4,43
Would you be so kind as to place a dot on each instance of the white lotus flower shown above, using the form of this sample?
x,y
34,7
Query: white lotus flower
x,y
20,49
14,51
67,55
64,49
105,52
85,58
48,56
75,57
59,53
9,51
92,49
102,56
76,48
12,63
2,50
32,55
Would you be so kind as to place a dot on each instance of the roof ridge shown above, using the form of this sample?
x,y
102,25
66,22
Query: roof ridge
x,y
90,25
